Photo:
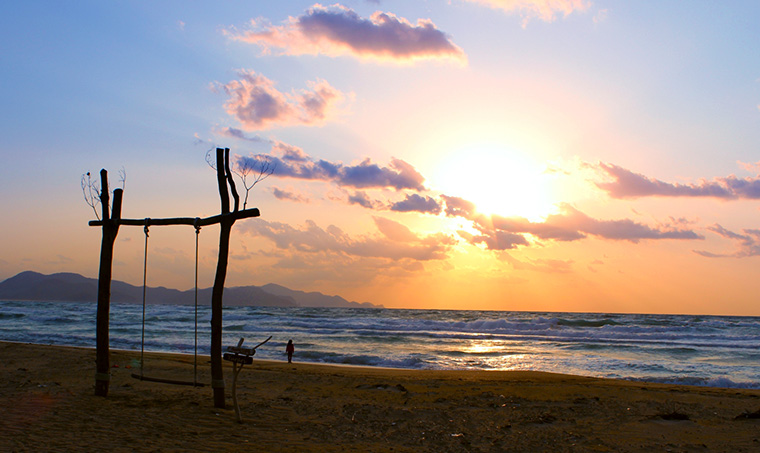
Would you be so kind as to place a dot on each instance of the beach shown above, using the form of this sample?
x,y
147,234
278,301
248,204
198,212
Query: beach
x,y
47,396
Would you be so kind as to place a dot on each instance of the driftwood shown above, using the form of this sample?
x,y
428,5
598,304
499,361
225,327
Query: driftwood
x,y
240,356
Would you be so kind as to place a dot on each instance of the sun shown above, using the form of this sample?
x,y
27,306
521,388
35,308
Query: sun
x,y
499,181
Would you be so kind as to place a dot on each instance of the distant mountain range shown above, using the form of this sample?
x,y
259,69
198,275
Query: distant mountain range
x,y
70,287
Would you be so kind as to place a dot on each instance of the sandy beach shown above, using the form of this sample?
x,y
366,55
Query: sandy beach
x,y
48,404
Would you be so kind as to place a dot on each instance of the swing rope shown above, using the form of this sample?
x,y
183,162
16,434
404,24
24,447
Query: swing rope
x,y
195,361
142,377
145,286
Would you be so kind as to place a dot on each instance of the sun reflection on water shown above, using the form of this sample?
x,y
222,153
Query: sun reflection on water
x,y
492,355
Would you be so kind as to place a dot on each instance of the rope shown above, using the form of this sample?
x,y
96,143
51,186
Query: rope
x,y
145,285
141,376
195,356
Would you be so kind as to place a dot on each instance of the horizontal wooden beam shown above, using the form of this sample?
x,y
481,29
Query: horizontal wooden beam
x,y
245,214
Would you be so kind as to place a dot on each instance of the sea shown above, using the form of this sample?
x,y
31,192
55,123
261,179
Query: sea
x,y
718,351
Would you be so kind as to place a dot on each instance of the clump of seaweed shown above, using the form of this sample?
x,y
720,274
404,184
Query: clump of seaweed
x,y
748,415
671,413
673,416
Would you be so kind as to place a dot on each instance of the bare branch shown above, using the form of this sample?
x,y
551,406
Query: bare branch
x,y
252,170
211,158
123,178
91,190
91,193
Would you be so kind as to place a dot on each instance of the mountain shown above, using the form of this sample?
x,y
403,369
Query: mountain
x,y
70,287
314,299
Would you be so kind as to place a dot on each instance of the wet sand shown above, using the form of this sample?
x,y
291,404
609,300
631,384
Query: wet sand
x,y
48,404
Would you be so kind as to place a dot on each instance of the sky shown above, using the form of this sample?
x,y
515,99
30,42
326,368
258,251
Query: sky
x,y
539,155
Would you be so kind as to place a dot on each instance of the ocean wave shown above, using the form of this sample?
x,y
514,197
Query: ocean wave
x,y
720,382
547,330
550,326
721,351
4,316
361,359
587,322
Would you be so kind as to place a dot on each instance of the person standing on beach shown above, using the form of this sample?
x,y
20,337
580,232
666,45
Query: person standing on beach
x,y
290,349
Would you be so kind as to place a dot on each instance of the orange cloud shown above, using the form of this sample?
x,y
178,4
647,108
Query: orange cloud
x,y
626,184
338,30
748,244
396,243
545,10
289,195
257,104
505,233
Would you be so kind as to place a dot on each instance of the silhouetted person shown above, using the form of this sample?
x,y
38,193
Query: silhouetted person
x,y
290,349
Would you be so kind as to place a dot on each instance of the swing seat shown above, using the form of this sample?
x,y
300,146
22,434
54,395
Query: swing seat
x,y
166,381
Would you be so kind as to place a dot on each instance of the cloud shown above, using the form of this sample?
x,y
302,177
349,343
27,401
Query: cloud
x,y
396,242
624,229
292,162
748,244
417,203
546,10
750,167
571,225
257,104
556,227
232,132
627,184
199,140
601,16
338,30
400,175
496,239
59,259
362,199
395,231
505,233
459,207
289,196
290,152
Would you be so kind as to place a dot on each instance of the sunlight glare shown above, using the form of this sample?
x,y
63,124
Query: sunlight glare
x,y
498,180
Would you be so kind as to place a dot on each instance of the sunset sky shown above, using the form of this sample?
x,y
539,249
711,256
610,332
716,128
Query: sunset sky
x,y
542,155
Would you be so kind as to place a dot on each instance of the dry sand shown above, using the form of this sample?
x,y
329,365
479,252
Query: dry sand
x,y
47,403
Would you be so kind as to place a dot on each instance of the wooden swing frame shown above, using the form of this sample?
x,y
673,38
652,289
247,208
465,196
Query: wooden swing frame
x,y
110,227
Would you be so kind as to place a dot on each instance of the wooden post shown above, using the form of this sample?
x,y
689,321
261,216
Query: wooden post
x,y
235,371
217,294
110,230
